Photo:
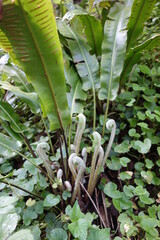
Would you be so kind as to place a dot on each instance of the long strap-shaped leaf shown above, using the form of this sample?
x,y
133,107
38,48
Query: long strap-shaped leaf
x,y
93,32
86,64
92,29
30,98
135,54
141,11
76,96
28,31
114,49
13,145
8,114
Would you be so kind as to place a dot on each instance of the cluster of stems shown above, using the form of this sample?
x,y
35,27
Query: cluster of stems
x,y
77,164
41,151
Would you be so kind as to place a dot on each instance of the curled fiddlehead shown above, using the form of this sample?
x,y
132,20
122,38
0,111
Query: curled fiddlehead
x,y
111,126
79,132
68,186
41,151
80,166
59,178
77,167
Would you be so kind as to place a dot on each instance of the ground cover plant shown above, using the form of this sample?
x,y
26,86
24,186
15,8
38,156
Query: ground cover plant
x,y
79,120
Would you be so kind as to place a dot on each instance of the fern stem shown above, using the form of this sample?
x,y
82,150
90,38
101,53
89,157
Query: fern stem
x,y
111,125
81,168
79,132
106,115
28,145
69,140
94,111
42,154
98,212
97,144
66,149
62,158
97,170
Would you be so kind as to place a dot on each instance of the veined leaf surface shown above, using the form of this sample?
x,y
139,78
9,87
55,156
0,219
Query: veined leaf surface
x,y
28,32
114,49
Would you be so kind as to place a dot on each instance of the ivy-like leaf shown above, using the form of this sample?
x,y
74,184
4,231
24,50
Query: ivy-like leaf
x,y
24,234
142,147
51,200
8,224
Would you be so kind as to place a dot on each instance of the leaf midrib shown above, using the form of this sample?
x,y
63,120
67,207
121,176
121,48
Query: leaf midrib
x,y
94,40
43,64
89,72
139,16
19,91
12,120
112,67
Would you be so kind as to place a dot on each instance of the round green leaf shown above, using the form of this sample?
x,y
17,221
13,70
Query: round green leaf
x,y
8,224
142,147
125,175
114,164
110,190
123,147
51,200
79,229
139,190
147,175
146,200
58,234
23,234
128,190
149,163
124,161
132,133
96,233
